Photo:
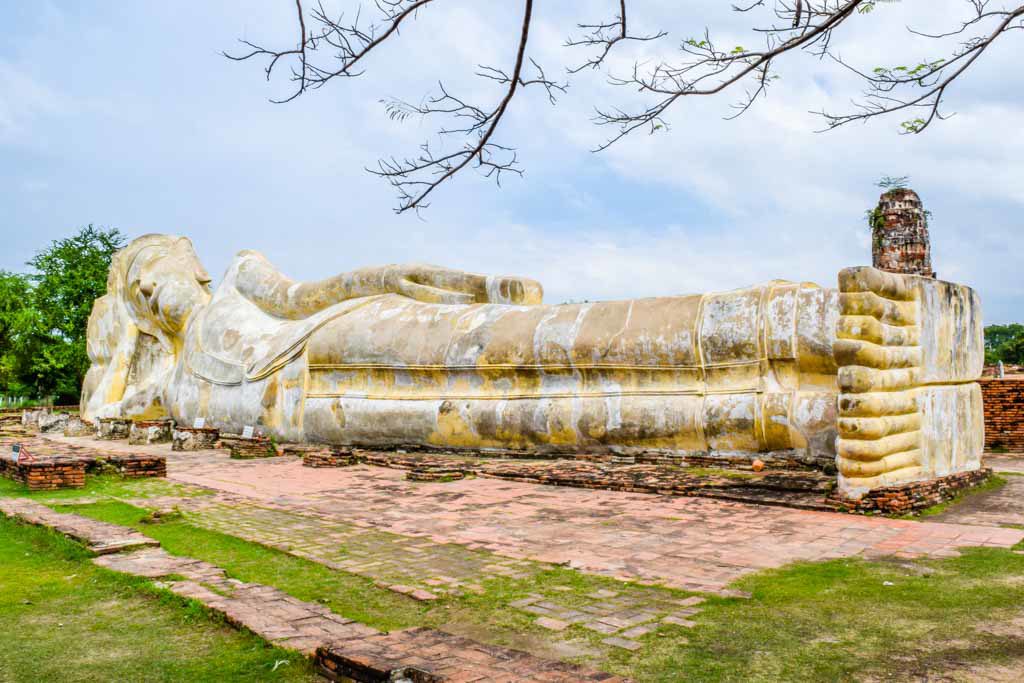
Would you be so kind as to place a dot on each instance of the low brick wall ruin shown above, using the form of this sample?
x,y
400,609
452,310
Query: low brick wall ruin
x,y
138,466
918,495
246,449
45,474
1003,401
329,457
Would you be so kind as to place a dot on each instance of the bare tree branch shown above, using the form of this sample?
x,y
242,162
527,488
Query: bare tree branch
x,y
332,47
604,36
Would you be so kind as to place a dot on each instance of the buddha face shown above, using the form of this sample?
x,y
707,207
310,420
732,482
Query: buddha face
x,y
165,283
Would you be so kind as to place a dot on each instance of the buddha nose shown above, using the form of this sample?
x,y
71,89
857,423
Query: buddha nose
x,y
147,288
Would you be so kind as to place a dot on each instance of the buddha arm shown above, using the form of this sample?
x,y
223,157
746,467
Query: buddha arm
x,y
283,297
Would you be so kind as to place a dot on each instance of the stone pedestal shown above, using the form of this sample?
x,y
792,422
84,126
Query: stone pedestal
x,y
146,432
76,426
53,423
30,418
114,428
194,438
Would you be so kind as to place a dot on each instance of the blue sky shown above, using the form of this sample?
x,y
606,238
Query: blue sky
x,y
125,115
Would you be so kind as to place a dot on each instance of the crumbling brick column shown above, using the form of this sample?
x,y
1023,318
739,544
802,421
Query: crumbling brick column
x,y
899,234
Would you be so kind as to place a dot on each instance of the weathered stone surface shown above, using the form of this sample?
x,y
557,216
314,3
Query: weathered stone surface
x,y
145,432
429,357
114,428
30,418
194,438
76,426
910,350
53,423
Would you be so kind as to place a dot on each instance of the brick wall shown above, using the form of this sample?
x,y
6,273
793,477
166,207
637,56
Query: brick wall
x,y
1004,413
47,474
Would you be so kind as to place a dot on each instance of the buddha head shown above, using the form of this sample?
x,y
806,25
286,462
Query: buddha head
x,y
136,331
162,283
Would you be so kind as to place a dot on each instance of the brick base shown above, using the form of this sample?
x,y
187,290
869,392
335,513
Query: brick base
x,y
138,466
1003,402
918,495
435,474
329,457
247,449
46,474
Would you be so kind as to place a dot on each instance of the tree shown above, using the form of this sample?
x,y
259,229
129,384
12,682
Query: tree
x,y
1004,343
332,47
15,292
50,332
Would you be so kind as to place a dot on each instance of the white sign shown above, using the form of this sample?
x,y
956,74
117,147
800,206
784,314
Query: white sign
x,y
199,423
247,432
15,452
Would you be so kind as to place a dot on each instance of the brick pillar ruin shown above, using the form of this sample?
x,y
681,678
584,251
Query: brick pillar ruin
x,y
899,234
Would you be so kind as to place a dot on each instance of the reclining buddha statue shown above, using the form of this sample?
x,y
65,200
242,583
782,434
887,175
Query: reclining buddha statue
x,y
876,376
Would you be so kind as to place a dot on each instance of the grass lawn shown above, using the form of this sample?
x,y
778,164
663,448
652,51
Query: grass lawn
x,y
64,619
837,620
105,486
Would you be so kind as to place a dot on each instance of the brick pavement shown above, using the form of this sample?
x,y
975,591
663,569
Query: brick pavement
x,y
689,543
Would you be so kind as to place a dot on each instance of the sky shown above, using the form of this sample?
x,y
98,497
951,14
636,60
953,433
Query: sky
x,y
126,115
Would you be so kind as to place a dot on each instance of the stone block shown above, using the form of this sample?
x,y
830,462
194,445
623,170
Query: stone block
x,y
114,428
146,432
53,423
194,438
76,426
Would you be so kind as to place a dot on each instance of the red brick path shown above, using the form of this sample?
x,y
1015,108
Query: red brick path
x,y
691,543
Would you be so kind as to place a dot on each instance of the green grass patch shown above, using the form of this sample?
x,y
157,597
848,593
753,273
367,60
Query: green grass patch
x,y
65,619
105,486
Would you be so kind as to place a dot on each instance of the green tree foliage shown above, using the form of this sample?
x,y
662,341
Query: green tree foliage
x,y
14,302
1004,343
43,351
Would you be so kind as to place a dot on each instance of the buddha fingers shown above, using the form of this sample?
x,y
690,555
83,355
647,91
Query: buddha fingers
x,y
879,358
